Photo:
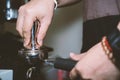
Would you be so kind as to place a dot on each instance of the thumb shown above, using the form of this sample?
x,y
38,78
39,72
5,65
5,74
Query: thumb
x,y
76,57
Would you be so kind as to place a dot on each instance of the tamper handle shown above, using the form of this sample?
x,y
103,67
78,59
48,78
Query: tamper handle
x,y
33,37
64,64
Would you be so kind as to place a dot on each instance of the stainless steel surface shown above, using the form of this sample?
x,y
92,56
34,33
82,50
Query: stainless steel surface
x,y
10,13
32,56
9,9
29,72
33,37
49,61
29,52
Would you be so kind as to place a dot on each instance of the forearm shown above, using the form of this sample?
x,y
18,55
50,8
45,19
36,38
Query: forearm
x,y
63,3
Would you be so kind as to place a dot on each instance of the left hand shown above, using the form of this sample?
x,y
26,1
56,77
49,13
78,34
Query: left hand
x,y
94,65
40,10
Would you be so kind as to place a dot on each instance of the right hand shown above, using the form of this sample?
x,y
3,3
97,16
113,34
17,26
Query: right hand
x,y
41,10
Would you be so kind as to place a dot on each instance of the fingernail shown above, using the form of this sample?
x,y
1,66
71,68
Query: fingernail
x,y
26,42
25,45
72,54
40,42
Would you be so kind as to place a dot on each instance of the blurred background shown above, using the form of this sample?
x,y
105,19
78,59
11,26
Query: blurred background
x,y
64,36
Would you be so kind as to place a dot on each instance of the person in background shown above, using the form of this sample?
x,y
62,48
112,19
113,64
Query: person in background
x,y
100,58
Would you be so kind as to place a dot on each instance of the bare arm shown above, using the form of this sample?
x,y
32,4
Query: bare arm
x,y
63,3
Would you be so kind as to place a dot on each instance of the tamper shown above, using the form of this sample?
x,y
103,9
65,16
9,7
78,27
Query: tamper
x,y
33,55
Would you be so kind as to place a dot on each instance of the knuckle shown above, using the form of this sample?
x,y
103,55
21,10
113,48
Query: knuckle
x,y
21,9
26,30
28,11
24,10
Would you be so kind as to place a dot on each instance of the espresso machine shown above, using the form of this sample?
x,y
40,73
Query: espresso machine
x,y
9,9
34,59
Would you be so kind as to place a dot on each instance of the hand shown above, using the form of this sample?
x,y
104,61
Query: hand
x,y
118,26
94,65
40,10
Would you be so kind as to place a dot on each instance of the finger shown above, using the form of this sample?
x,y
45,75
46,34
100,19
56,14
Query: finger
x,y
26,31
118,26
42,31
74,74
76,57
19,23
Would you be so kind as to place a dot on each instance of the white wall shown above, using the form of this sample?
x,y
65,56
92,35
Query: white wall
x,y
65,32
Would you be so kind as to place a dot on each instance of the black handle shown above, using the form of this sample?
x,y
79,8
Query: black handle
x,y
64,64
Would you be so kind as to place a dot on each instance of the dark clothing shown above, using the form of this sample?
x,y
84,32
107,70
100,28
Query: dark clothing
x,y
95,29
100,18
93,9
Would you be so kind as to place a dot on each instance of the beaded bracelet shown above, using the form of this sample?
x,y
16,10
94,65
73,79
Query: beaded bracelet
x,y
107,48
